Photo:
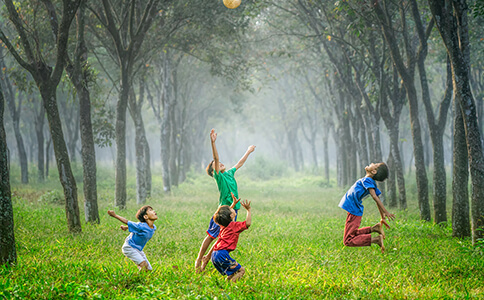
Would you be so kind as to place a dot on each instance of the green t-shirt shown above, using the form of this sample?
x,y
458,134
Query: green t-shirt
x,y
226,184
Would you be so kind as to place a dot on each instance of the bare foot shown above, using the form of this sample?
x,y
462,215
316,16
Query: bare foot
x,y
198,263
379,242
205,261
237,275
378,228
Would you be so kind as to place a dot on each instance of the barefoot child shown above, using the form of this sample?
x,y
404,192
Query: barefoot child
x,y
140,233
226,184
352,203
228,238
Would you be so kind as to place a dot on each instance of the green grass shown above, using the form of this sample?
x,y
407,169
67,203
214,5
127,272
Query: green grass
x,y
293,250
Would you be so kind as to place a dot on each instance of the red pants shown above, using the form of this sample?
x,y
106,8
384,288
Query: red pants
x,y
355,237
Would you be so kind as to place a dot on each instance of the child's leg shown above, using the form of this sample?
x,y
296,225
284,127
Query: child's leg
x,y
145,264
138,257
212,233
203,248
354,236
379,241
378,228
237,275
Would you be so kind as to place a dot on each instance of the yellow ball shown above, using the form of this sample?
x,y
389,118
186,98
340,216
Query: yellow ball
x,y
232,3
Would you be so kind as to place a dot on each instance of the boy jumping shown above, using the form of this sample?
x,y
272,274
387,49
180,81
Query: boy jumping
x,y
352,203
228,238
140,233
226,185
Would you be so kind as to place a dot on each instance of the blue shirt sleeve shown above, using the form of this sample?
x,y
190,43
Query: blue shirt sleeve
x,y
135,227
369,183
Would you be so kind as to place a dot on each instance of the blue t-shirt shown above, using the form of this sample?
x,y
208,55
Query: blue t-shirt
x,y
352,200
140,234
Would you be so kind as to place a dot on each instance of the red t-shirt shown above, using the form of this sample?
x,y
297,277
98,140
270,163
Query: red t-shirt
x,y
229,236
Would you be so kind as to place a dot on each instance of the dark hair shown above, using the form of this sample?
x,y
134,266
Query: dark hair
x,y
210,169
222,216
381,172
140,215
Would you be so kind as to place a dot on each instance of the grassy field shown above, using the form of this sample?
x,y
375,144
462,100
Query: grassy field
x,y
293,249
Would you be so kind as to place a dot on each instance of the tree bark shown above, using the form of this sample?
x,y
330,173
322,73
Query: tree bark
x,y
15,114
436,127
451,20
407,75
47,80
391,186
460,179
62,158
8,253
39,131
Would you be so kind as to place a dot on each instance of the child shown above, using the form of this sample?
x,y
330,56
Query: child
x,y
141,233
352,203
227,241
226,185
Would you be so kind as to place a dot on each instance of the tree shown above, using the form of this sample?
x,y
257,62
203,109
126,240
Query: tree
x,y
15,114
47,79
126,24
8,254
80,74
407,74
452,21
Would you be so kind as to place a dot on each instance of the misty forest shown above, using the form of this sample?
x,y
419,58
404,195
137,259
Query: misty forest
x,y
107,106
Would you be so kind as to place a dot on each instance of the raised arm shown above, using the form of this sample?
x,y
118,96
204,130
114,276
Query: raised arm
x,y
213,138
114,215
244,158
383,212
234,200
248,219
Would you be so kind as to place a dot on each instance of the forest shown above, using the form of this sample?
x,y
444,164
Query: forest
x,y
109,105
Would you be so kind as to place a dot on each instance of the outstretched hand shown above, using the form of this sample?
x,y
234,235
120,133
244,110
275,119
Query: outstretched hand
x,y
213,135
111,213
234,200
251,149
246,204
383,222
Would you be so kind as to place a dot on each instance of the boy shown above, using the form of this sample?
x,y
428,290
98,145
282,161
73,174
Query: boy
x,y
226,185
141,233
227,241
352,203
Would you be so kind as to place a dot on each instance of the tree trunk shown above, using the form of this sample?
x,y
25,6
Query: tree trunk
x,y
406,73
391,186
15,114
460,179
451,19
8,254
326,155
62,158
120,131
165,122
39,131
47,157
173,143
140,144
88,154
399,171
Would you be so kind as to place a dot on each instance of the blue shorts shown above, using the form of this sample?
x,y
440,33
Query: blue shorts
x,y
214,229
225,264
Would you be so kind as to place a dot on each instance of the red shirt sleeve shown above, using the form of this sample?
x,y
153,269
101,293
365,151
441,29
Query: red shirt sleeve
x,y
240,226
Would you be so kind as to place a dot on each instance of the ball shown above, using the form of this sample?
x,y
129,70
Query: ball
x,y
232,3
